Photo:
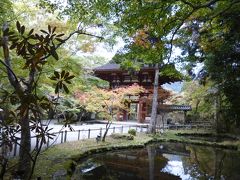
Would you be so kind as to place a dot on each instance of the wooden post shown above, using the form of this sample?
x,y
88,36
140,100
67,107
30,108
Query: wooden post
x,y
114,129
61,136
79,131
140,106
89,131
122,129
65,137
100,133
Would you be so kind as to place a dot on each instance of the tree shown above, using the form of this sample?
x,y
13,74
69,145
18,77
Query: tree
x,y
34,50
192,26
108,103
147,49
200,98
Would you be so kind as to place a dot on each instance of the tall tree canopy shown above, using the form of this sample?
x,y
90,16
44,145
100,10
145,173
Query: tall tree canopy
x,y
207,31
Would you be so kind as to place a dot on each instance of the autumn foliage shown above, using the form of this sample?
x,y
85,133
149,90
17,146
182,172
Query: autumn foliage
x,y
106,102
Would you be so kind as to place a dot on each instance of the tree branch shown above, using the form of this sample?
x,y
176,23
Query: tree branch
x,y
11,75
194,9
194,6
8,69
80,32
225,9
175,32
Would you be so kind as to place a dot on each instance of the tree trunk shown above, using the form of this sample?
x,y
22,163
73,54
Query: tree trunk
x,y
24,166
152,127
106,131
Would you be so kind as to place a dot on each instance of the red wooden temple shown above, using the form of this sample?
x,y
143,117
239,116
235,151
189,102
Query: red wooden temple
x,y
117,77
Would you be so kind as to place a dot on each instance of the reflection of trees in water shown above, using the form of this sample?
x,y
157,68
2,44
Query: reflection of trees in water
x,y
208,162
151,157
198,161
218,166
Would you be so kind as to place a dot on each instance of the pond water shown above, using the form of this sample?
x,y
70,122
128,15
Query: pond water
x,y
162,161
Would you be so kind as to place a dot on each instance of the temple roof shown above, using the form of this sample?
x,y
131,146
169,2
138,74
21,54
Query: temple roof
x,y
108,66
116,76
116,67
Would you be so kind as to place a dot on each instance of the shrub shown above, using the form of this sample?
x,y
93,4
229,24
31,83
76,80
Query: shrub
x,y
132,132
122,136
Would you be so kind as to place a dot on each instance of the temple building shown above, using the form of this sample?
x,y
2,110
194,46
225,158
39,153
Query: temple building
x,y
140,106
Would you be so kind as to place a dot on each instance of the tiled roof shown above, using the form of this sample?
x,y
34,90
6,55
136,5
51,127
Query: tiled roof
x,y
114,66
109,66
175,107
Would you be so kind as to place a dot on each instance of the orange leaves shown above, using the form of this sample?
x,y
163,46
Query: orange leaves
x,y
107,102
163,94
141,39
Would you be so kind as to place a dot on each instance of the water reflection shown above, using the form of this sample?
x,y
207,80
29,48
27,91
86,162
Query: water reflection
x,y
162,161
175,167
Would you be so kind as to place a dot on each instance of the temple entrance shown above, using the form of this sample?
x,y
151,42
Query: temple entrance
x,y
133,111
140,106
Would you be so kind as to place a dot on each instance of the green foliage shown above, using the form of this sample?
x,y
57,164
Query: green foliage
x,y
132,132
200,99
6,11
62,78
33,49
123,136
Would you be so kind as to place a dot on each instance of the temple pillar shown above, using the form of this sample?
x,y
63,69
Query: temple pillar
x,y
141,111
125,115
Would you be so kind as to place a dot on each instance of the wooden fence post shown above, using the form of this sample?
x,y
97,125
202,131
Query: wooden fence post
x,y
122,129
65,137
89,133
114,129
61,137
100,133
79,134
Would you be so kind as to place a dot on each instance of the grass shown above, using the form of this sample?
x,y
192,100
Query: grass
x,y
63,157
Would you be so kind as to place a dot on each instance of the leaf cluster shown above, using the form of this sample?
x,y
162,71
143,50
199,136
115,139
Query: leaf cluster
x,y
34,47
62,79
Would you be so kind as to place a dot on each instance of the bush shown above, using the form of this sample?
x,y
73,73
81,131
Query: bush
x,y
122,136
132,132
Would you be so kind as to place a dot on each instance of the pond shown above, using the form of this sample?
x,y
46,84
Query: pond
x,y
162,161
